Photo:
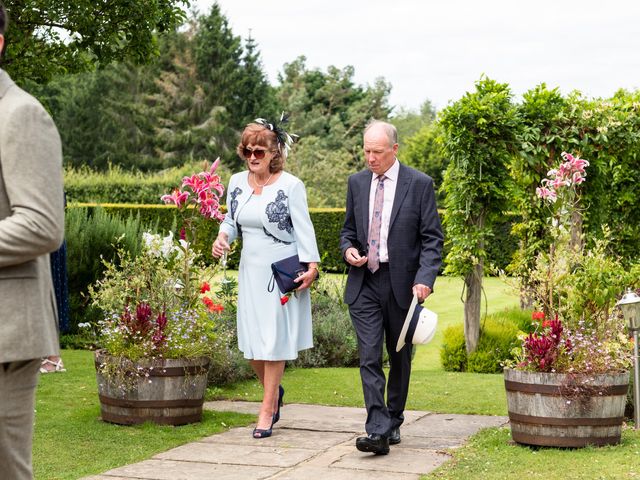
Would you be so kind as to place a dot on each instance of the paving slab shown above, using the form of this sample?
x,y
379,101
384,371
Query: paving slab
x,y
309,442
313,417
429,443
105,477
402,460
174,470
459,426
284,438
255,454
327,473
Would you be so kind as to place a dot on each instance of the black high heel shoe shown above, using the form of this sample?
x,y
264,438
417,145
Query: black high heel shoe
x,y
263,432
276,416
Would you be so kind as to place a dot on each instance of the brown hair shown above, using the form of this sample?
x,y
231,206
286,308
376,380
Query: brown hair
x,y
255,134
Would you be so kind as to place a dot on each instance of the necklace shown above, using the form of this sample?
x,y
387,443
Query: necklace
x,y
255,180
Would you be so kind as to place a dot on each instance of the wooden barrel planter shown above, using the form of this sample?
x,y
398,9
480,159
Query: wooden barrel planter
x,y
566,410
167,392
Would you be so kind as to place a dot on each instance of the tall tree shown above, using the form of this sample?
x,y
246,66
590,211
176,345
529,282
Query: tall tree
x,y
232,78
480,132
256,97
54,37
423,151
408,121
329,112
187,126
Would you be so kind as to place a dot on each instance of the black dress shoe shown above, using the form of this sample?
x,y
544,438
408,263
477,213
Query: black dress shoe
x,y
373,443
394,436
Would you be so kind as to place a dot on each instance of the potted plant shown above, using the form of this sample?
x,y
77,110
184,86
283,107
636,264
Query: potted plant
x,y
568,385
158,329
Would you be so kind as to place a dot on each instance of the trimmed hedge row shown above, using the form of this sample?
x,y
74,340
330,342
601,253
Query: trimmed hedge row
x,y
326,221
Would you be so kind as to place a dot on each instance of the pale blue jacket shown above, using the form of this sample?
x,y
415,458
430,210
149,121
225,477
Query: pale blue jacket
x,y
285,215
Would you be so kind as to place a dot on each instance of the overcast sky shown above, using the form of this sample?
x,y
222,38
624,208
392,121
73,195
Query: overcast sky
x,y
437,49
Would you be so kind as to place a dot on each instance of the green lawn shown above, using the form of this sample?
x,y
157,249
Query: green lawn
x,y
71,442
431,388
492,455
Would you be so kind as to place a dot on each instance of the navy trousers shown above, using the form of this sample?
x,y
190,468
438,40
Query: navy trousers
x,y
377,319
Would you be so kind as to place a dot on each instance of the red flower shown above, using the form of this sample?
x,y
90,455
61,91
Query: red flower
x,y
204,288
546,323
208,302
216,307
211,305
537,316
284,299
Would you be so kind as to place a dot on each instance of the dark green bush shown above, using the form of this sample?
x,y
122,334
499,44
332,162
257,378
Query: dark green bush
x,y
453,353
334,339
498,337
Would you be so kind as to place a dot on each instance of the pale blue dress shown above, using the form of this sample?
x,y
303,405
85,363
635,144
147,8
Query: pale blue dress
x,y
268,330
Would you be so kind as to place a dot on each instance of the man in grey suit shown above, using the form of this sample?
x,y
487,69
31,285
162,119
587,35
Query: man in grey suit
x,y
392,240
31,226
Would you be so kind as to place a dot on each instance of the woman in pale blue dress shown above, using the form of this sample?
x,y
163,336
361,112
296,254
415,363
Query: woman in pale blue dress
x,y
268,208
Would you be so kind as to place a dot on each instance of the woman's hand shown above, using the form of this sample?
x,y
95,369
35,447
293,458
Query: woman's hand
x,y
220,245
308,277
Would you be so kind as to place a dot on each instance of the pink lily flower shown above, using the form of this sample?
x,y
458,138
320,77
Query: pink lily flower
x,y
194,181
578,178
177,197
214,166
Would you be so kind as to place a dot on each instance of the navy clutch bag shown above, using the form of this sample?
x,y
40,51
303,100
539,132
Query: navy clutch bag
x,y
284,272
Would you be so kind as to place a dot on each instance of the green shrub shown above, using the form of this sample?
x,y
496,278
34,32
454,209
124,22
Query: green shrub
x,y
91,236
498,337
453,353
334,339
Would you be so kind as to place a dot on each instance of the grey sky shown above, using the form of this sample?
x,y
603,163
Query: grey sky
x,y
437,49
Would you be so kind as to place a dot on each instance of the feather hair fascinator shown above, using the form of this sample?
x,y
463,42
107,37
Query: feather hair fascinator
x,y
285,140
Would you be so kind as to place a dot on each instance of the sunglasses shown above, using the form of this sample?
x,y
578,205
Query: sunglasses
x,y
258,153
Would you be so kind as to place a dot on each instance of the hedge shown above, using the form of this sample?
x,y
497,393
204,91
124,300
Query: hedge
x,y
326,221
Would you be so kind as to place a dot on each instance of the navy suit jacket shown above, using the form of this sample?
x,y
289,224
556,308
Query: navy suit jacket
x,y
415,235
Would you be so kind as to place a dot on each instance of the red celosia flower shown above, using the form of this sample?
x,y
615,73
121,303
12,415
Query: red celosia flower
x,y
537,316
143,319
204,288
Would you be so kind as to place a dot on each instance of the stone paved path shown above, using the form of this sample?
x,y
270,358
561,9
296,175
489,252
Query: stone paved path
x,y
310,442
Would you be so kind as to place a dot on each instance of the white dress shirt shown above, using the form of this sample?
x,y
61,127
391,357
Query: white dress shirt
x,y
389,193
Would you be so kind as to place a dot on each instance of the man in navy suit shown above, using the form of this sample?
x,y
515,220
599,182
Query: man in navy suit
x,y
392,240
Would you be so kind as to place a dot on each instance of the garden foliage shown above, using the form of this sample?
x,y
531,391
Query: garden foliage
x,y
498,337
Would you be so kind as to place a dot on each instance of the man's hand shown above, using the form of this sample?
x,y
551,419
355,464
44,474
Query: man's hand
x,y
352,257
421,291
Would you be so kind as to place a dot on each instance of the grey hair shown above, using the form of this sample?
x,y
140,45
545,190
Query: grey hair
x,y
390,130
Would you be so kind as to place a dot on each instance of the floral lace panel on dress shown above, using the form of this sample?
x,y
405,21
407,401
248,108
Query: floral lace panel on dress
x,y
278,212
